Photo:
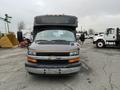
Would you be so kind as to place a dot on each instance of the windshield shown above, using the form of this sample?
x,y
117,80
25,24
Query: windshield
x,y
50,35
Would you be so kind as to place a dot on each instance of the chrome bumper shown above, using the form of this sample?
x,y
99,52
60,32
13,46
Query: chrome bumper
x,y
53,70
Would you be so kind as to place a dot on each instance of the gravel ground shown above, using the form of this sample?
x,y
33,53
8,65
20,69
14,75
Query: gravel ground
x,y
100,71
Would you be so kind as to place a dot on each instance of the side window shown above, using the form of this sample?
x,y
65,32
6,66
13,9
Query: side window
x,y
111,31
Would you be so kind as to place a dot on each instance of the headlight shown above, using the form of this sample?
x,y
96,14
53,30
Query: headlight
x,y
74,53
31,53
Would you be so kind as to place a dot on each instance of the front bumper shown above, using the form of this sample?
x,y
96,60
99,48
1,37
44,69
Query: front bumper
x,y
54,69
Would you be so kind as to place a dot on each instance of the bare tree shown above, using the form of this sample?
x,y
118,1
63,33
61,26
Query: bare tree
x,y
91,31
21,25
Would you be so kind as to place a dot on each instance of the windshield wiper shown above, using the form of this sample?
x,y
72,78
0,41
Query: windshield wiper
x,y
57,40
41,40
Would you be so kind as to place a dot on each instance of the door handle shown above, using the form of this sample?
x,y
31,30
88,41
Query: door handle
x,y
113,36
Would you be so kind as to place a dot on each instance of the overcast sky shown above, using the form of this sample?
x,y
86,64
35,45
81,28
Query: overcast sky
x,y
96,14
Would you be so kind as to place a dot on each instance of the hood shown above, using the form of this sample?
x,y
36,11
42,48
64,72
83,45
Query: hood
x,y
100,36
54,47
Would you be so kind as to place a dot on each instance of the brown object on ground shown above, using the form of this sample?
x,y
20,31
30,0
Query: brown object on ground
x,y
8,41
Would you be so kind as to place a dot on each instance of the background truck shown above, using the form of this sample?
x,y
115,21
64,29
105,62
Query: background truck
x,y
55,49
110,37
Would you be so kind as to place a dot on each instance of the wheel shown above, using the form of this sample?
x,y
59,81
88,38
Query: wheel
x,y
100,44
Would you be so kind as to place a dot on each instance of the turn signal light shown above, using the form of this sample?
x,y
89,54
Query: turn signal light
x,y
31,60
74,60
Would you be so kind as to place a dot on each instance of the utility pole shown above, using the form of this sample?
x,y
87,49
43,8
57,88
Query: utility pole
x,y
6,20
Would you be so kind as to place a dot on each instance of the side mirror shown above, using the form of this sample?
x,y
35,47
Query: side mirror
x,y
31,33
77,38
107,33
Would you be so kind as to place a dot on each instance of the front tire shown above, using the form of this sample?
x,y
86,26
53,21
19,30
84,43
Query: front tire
x,y
100,44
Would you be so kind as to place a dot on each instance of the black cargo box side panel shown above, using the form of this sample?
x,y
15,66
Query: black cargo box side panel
x,y
118,34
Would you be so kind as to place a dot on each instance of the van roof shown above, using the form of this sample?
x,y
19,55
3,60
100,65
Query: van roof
x,y
56,20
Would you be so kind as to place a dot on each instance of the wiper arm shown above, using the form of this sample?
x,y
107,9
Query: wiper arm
x,y
41,40
60,40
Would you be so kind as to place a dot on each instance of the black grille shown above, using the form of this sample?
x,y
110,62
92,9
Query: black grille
x,y
52,54
52,62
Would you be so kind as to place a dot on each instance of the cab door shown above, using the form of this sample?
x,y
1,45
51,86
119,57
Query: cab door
x,y
110,34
